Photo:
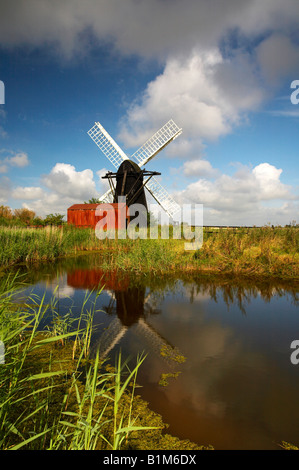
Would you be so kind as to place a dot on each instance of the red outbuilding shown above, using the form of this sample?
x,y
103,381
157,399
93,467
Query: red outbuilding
x,y
89,215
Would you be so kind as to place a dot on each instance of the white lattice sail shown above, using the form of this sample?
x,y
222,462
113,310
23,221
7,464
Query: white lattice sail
x,y
107,145
157,142
107,197
162,197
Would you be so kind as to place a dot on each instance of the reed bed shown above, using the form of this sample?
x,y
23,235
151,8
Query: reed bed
x,y
265,250
19,245
56,395
257,251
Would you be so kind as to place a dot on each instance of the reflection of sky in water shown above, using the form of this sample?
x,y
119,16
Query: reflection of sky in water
x,y
237,388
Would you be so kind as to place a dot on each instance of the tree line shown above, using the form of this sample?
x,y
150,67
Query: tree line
x,y
25,217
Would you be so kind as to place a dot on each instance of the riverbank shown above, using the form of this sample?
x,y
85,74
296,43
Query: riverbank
x,y
264,251
56,362
56,395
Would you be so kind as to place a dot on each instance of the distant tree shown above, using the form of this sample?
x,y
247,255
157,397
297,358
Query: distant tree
x,y
54,219
24,215
38,221
6,212
93,200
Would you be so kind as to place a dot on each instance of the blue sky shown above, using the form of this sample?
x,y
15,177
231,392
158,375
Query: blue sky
x,y
224,75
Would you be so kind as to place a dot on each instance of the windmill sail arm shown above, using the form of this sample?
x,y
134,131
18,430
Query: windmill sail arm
x,y
107,145
157,142
162,197
107,197
149,157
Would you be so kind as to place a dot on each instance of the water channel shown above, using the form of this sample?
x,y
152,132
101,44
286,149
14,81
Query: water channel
x,y
236,388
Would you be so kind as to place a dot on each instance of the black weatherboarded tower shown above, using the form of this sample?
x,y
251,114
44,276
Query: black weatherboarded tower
x,y
129,183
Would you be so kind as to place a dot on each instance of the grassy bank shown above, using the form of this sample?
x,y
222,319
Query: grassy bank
x,y
19,245
54,395
256,251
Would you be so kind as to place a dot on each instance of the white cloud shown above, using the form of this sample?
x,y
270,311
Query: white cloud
x,y
27,193
65,181
50,203
63,187
19,160
242,198
269,184
196,168
205,95
103,184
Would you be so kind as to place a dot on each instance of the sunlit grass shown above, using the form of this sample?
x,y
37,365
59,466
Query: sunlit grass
x,y
265,250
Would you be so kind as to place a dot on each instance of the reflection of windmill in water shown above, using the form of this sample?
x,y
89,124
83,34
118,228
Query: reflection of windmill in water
x,y
129,176
129,305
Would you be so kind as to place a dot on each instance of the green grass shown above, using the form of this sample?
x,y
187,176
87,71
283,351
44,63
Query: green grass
x,y
256,251
265,250
27,245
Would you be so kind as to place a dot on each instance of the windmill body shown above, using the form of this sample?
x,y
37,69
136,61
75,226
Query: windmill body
x,y
129,182
131,178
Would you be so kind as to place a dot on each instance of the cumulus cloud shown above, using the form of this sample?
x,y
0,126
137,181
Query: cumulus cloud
x,y
27,193
65,181
196,168
243,197
19,160
50,203
269,184
61,188
204,93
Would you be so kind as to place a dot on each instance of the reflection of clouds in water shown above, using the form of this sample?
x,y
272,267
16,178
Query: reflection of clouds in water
x,y
60,288
226,377
204,345
64,291
212,350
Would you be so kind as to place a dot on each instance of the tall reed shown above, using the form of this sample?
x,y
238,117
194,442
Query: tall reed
x,y
55,397
264,250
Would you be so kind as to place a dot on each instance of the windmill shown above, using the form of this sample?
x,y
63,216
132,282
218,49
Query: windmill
x,y
133,167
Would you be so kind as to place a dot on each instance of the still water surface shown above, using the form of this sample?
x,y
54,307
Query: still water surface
x,y
237,388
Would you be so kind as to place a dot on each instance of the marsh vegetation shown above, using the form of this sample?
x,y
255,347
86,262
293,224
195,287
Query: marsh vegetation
x,y
56,395
256,251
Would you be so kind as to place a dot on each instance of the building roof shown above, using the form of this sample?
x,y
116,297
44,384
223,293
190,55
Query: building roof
x,y
83,207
